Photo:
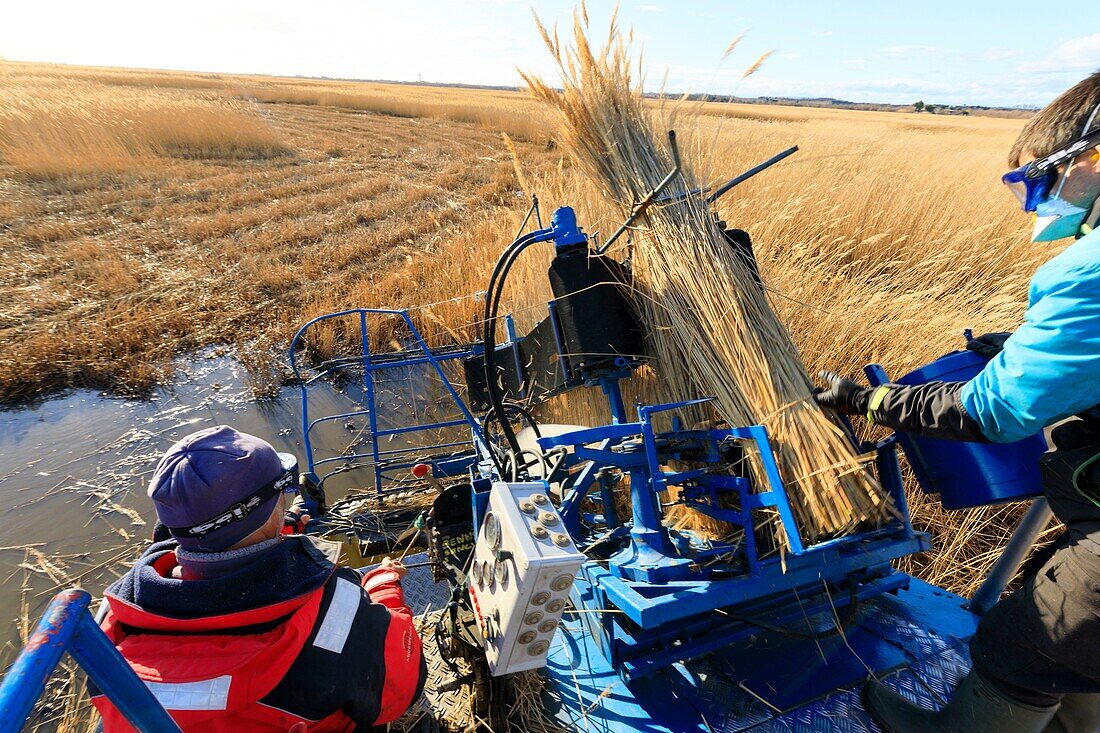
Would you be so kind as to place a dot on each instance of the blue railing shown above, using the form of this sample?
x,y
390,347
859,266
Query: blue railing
x,y
67,626
372,363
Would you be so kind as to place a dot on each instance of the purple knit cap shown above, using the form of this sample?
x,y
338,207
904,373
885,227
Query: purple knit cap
x,y
206,474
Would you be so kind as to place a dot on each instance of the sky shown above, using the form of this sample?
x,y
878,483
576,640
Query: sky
x,y
987,52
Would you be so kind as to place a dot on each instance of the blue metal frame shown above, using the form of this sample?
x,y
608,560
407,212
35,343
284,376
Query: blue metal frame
x,y
644,468
381,461
915,639
666,586
67,626
658,603
668,590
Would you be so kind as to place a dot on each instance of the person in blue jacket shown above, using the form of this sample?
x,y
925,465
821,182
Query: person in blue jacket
x,y
1036,653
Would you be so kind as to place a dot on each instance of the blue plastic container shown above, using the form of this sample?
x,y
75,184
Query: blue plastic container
x,y
967,475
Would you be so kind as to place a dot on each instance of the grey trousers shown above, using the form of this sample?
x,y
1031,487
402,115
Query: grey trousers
x,y
1043,641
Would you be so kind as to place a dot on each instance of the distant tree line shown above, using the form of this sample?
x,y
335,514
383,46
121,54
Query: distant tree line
x,y
945,109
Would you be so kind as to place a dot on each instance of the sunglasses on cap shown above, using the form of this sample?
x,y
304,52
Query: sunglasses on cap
x,y
1032,183
284,483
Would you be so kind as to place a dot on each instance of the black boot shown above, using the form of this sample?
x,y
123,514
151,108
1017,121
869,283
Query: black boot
x,y
1078,713
975,708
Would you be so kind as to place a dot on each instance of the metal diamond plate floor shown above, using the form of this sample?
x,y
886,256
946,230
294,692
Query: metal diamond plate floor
x,y
916,641
422,593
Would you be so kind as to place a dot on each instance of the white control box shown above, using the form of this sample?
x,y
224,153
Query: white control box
x,y
520,577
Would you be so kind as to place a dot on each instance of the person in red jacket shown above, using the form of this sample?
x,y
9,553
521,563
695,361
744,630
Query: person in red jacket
x,y
236,625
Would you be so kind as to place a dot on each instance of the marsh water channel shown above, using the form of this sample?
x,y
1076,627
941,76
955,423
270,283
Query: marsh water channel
x,y
74,469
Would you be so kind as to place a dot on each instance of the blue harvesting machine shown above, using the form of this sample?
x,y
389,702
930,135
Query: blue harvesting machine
x,y
556,548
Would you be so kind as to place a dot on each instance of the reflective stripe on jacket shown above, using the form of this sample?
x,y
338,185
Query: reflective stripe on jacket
x,y
337,657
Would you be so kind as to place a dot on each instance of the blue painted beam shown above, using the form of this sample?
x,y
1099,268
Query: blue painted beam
x,y
68,626
652,605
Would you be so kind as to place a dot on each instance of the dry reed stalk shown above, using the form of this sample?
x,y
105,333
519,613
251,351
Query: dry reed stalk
x,y
58,129
733,44
755,66
711,328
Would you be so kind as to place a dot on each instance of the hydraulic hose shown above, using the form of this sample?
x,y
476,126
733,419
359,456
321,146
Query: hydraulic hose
x,y
492,304
488,345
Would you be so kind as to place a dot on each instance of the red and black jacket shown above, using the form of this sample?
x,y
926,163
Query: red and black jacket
x,y
289,642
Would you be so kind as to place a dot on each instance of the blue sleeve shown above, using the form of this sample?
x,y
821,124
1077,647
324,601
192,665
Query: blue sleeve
x,y
1050,367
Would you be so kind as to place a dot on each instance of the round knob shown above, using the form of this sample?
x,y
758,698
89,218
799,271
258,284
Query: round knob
x,y
561,540
547,626
538,648
532,618
540,598
540,499
555,605
561,582
527,637
548,518
539,532
527,507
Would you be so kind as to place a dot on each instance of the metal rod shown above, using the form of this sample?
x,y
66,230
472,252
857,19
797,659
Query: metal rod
x,y
408,547
68,625
645,203
419,524
523,224
750,173
1033,522
105,666
26,679
666,200
419,564
368,395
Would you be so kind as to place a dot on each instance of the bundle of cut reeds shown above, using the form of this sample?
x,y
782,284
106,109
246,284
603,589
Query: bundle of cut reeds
x,y
711,328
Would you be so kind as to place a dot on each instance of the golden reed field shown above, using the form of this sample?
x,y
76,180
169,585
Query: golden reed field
x,y
144,214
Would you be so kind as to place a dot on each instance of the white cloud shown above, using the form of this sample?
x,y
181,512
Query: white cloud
x,y
651,8
1076,54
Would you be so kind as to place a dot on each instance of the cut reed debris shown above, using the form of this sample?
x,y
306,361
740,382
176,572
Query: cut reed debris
x,y
712,330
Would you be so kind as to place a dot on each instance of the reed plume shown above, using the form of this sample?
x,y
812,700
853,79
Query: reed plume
x,y
710,326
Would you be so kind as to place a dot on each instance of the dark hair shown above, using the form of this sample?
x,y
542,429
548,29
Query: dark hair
x,y
1060,122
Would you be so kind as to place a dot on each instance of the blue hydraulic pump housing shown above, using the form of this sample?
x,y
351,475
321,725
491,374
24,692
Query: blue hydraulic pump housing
x,y
566,234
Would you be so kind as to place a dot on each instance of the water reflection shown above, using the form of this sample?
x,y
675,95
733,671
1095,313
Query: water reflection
x,y
73,470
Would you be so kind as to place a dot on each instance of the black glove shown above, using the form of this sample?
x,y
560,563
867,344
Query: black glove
x,y
988,344
842,395
296,517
